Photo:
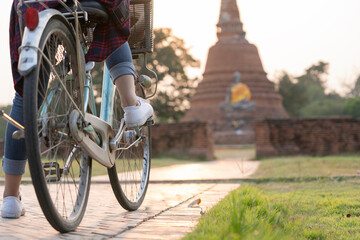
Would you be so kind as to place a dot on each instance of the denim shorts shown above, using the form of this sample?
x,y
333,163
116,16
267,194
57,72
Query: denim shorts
x,y
120,62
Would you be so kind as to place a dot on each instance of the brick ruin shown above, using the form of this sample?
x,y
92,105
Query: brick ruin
x,y
233,53
321,136
191,139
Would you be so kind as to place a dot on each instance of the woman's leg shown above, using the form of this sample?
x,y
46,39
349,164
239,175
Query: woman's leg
x,y
14,160
12,185
14,163
122,72
126,88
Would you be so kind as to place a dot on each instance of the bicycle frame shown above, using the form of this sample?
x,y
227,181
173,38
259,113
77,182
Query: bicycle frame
x,y
108,94
86,137
28,60
65,133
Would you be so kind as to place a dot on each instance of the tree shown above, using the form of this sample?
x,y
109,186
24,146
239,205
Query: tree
x,y
329,105
171,60
316,74
294,95
355,91
305,96
352,107
352,104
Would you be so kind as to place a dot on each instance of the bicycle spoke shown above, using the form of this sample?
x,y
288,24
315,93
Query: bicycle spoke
x,y
54,88
55,146
132,170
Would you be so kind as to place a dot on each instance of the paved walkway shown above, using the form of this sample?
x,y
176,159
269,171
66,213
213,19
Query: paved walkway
x,y
165,213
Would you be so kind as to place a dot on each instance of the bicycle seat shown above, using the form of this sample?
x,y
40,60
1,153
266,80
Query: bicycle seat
x,y
97,13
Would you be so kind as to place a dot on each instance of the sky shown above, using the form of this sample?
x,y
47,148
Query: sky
x,y
290,35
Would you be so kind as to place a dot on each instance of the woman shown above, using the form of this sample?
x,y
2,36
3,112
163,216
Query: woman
x,y
109,44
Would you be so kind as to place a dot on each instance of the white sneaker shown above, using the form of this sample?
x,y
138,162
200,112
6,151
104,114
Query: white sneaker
x,y
137,115
12,207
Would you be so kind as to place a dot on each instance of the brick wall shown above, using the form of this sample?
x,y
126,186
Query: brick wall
x,y
193,139
326,136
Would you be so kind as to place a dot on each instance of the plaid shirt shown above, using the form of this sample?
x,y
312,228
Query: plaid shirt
x,y
107,38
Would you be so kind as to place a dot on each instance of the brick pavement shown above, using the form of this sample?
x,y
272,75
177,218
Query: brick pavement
x,y
164,214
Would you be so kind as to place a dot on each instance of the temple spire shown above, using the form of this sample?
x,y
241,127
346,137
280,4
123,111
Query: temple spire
x,y
220,99
230,26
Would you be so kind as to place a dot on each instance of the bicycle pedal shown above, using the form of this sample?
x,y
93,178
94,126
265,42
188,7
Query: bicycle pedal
x,y
52,171
18,134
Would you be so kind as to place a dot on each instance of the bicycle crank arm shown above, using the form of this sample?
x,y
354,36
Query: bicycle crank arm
x,y
101,153
17,134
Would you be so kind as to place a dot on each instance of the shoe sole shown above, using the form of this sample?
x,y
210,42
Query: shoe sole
x,y
150,120
11,216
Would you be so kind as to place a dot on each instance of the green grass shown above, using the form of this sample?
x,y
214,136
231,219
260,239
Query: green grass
x,y
7,109
328,208
246,213
319,210
303,166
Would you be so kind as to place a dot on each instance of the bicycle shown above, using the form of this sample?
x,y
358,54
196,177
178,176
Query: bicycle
x,y
62,130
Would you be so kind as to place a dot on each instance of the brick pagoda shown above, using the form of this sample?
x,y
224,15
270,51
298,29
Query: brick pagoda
x,y
233,54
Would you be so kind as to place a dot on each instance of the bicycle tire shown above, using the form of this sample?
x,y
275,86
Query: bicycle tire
x,y
129,177
62,194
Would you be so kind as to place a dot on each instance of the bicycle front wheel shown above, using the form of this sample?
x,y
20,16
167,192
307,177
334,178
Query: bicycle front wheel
x,y
59,169
129,176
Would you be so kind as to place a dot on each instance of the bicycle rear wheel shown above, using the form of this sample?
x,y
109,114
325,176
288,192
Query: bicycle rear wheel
x,y
59,169
129,177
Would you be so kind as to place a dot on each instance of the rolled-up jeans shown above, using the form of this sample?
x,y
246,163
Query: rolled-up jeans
x,y
119,63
